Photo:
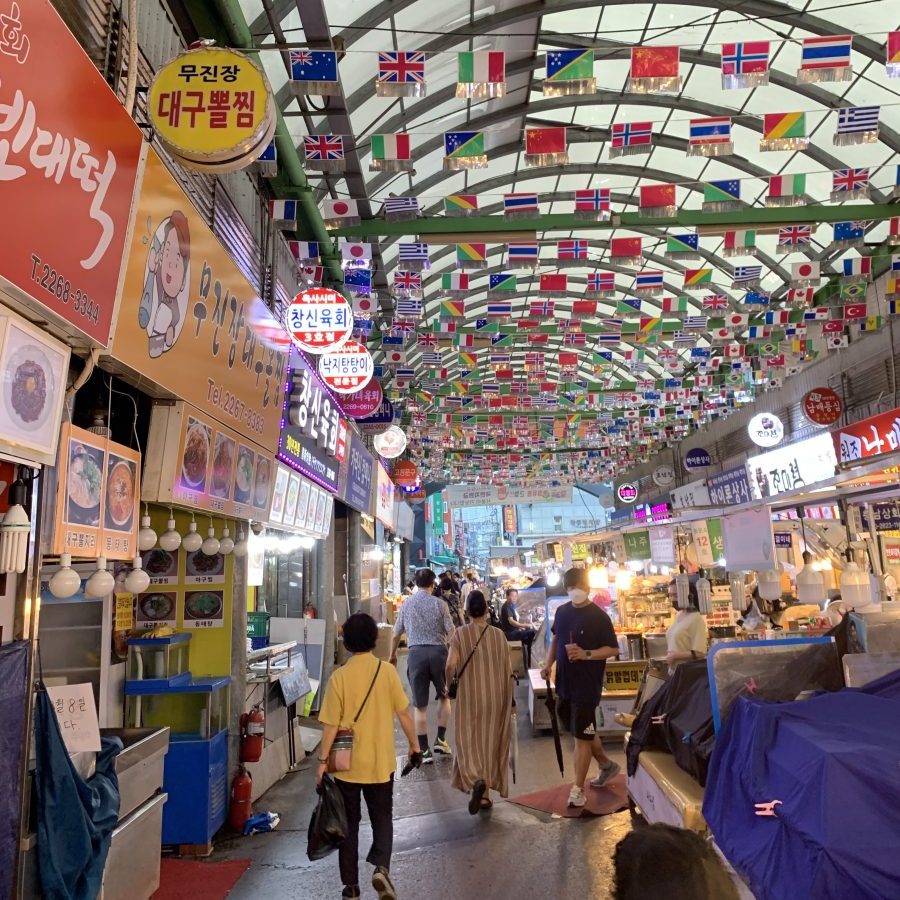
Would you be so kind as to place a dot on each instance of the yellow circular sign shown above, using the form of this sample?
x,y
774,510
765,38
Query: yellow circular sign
x,y
213,109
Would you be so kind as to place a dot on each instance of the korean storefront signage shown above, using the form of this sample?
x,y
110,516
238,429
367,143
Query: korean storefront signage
x,y
691,495
68,176
510,519
405,474
314,436
347,369
698,458
868,438
460,495
295,504
663,476
97,492
356,486
193,325
390,444
637,545
627,492
364,402
662,545
380,420
707,540
765,430
886,516
798,465
822,406
384,497
729,488
212,109
320,320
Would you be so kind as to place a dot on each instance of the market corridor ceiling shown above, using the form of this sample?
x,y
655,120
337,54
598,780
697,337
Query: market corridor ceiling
x,y
556,388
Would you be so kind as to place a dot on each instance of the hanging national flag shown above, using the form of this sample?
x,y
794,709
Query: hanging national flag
x,y
575,340
391,153
855,311
849,184
849,234
408,307
452,310
697,278
715,302
569,73
745,64
571,249
648,283
584,308
523,254
740,242
853,289
857,268
283,214
482,74
413,256
407,284
836,341
654,70
798,236
628,305
400,74
892,61
520,205
657,199
499,308
746,277
545,147
502,283
784,131
471,256
464,150
454,284
359,281
311,275
625,251
267,161
592,203
756,298
456,205
355,255
786,190
340,213
894,231
600,284
683,246
675,304
541,309
825,59
801,296
314,72
553,285
722,196
324,152
857,125
305,252
400,209
631,139
710,137
806,273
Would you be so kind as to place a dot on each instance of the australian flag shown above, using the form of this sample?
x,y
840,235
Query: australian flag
x,y
849,231
314,65
359,281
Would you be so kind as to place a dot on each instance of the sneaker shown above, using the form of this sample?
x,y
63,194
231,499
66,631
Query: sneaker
x,y
382,883
427,757
442,747
576,797
607,773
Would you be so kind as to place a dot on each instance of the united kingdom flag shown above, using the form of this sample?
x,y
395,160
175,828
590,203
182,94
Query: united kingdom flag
x,y
715,301
795,236
398,67
849,180
407,281
322,147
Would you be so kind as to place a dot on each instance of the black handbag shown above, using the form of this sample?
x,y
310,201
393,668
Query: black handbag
x,y
453,687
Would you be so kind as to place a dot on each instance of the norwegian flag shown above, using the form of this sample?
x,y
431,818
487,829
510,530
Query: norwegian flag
x,y
541,308
401,67
571,249
592,200
601,282
323,147
715,302
795,236
632,134
575,340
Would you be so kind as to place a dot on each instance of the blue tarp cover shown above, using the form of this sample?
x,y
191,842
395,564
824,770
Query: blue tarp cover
x,y
829,770
13,697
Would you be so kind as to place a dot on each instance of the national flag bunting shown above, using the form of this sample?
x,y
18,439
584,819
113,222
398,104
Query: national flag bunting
x,y
546,146
746,277
520,205
784,131
825,58
786,190
892,61
391,153
894,231
523,254
849,234
857,125
675,304
654,70
314,72
857,268
571,249
648,283
502,283
400,74
407,284
454,284
312,275
458,205
722,196
355,254
625,251
710,137
267,161
324,152
584,308
482,74
657,199
806,274
359,281
413,256
794,236
745,64
340,213
849,184
305,252
631,139
741,242
697,278
499,308
592,203
569,72
600,284
408,307
683,246
553,284
715,302
801,296
400,209
452,309
464,150
471,256
283,214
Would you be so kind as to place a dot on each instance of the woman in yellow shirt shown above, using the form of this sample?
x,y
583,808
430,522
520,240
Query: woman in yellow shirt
x,y
371,773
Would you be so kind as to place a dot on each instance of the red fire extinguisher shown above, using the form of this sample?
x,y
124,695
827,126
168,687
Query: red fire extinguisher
x,y
253,729
241,806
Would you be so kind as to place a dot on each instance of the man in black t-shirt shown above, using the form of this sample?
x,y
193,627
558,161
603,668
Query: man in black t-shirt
x,y
583,639
513,628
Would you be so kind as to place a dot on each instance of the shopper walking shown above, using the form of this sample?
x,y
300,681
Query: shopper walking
x,y
425,620
365,695
479,658
513,627
583,639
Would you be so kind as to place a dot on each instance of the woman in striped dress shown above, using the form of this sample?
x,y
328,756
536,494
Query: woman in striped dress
x,y
479,656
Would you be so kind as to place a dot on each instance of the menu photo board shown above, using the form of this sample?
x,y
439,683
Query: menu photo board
x,y
300,505
97,496
384,497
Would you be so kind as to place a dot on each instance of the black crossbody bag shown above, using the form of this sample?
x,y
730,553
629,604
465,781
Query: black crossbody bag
x,y
453,687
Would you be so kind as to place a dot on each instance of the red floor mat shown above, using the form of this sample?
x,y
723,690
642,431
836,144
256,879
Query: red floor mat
x,y
182,879
600,801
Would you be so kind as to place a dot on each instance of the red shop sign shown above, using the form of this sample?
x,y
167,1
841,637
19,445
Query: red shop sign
x,y
68,164
348,369
868,438
320,320
363,403
822,406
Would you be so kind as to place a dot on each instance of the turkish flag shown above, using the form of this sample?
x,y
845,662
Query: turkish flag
x,y
545,140
624,247
833,326
855,311
657,195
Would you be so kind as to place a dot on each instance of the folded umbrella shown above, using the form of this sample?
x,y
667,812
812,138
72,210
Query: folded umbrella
x,y
554,726
514,745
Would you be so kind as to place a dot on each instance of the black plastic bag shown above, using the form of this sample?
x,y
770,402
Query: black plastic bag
x,y
328,825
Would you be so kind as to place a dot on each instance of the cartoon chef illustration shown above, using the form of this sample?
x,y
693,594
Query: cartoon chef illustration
x,y
167,280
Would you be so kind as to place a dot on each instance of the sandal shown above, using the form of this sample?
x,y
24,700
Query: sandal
x,y
477,799
486,803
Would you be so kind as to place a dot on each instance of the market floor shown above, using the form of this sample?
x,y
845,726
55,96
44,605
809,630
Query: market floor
x,y
440,851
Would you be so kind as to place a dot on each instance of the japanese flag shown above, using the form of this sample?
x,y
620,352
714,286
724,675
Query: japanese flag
x,y
363,305
355,253
395,357
808,270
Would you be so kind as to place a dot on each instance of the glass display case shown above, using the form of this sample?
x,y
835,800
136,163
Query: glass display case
x,y
162,660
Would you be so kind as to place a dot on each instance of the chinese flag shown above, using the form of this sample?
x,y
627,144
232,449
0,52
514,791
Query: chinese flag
x,y
657,195
625,247
503,374
538,338
568,359
833,326
654,62
584,307
495,420
554,282
545,140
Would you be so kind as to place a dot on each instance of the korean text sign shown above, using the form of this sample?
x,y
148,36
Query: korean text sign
x,y
795,466
69,157
730,487
191,323
356,489
868,438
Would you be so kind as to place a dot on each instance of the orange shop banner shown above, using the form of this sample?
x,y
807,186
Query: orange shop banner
x,y
69,156
191,324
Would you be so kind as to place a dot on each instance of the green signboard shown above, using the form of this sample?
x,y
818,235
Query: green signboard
x,y
637,545
716,543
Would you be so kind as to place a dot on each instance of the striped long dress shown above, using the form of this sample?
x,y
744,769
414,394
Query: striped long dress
x,y
482,726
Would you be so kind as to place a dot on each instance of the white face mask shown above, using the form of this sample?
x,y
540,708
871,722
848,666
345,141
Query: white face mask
x,y
578,596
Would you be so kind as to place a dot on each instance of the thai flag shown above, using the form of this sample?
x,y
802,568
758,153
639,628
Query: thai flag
x,y
831,52
520,202
571,249
844,180
650,280
527,253
592,200
715,130
499,308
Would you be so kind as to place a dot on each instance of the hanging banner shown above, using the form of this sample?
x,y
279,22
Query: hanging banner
x,y
510,519
70,155
194,327
798,465
701,543
637,545
822,406
380,420
364,402
662,545
690,495
729,488
460,495
384,497
320,320
868,438
749,544
356,475
347,369
698,458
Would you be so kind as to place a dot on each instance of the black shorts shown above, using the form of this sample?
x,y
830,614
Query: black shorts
x,y
425,666
579,719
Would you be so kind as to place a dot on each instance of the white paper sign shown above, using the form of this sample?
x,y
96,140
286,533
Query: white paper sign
x,y
702,545
76,713
749,545
662,545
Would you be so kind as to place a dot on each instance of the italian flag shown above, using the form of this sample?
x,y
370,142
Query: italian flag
x,y
390,146
740,239
482,67
675,304
787,185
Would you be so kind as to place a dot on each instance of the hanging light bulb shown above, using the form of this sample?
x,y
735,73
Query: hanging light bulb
x,y
210,546
704,593
768,583
137,580
146,536
170,539
738,593
226,544
101,582
240,545
15,530
810,582
65,581
856,588
192,541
